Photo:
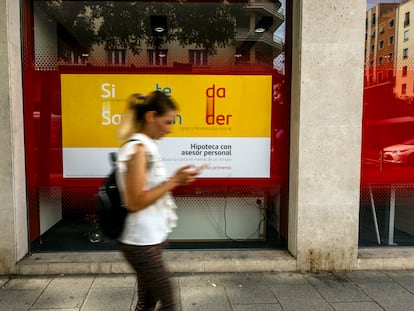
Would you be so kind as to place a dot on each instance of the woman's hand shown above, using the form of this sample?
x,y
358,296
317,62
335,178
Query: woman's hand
x,y
186,175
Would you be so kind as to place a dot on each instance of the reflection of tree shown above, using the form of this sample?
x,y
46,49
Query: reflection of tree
x,y
207,25
126,25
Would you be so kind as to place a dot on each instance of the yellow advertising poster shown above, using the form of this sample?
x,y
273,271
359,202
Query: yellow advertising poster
x,y
209,105
232,112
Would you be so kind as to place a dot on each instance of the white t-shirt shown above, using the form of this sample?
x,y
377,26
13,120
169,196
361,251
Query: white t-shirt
x,y
152,224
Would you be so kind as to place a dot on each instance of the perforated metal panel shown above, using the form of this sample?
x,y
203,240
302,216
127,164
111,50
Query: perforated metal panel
x,y
387,215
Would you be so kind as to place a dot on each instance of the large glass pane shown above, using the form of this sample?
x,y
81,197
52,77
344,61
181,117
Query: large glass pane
x,y
387,182
224,62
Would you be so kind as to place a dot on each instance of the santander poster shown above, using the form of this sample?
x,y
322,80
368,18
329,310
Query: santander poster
x,y
223,122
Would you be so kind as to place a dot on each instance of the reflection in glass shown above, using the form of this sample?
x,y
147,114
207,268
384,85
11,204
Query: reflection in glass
x,y
213,34
387,170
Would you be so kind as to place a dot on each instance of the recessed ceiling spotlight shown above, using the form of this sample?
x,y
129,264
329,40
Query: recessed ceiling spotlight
x,y
259,30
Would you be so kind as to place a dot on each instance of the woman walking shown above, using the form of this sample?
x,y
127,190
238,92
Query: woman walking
x,y
146,189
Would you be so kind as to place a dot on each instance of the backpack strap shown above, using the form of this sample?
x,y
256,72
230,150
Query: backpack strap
x,y
114,155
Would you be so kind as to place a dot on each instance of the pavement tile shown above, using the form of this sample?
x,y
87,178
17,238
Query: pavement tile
x,y
334,291
108,299
3,280
284,278
404,278
134,299
242,278
326,278
389,295
257,307
200,280
17,300
65,292
300,297
250,292
176,288
247,288
115,281
28,283
204,299
357,306
360,277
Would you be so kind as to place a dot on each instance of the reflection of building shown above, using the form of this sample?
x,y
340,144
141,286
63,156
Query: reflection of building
x,y
404,86
253,44
255,33
380,43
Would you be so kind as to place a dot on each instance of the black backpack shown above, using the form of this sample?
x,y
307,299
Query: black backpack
x,y
111,209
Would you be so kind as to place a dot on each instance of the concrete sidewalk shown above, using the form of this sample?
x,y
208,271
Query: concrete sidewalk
x,y
348,291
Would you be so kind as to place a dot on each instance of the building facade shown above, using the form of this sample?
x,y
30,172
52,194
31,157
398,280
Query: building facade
x,y
306,196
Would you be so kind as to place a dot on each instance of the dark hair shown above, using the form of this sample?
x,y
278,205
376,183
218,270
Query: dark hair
x,y
139,104
155,101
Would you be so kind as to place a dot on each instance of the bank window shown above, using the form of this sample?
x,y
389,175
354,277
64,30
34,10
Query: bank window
x,y
380,77
157,57
407,19
389,57
381,44
372,48
75,58
374,17
404,88
404,71
198,57
115,48
391,23
391,40
405,53
380,60
116,57
406,34
381,27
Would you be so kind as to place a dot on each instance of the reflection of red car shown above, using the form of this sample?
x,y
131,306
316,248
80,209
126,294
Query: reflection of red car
x,y
401,153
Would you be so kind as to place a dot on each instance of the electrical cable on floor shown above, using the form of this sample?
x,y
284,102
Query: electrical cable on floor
x,y
251,235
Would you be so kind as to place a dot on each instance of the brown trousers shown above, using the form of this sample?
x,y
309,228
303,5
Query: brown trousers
x,y
154,283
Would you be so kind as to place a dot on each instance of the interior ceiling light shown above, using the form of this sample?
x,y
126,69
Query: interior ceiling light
x,y
162,54
158,24
264,24
159,29
259,30
238,55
